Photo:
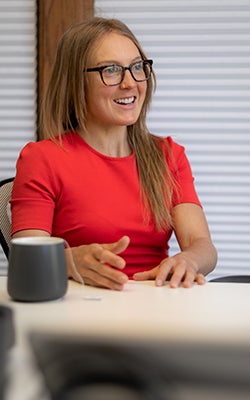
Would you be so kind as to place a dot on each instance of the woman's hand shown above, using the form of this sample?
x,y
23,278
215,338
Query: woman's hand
x,y
197,256
179,270
99,264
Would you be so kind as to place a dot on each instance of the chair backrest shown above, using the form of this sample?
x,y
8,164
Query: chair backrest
x,y
5,218
232,278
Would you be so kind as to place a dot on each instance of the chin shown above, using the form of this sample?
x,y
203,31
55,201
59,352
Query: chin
x,y
131,121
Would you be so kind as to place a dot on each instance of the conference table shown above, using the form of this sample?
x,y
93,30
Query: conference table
x,y
212,317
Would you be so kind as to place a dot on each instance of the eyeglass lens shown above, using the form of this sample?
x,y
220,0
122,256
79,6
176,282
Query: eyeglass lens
x,y
114,74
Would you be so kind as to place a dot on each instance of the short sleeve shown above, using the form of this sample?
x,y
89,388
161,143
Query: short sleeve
x,y
33,189
185,191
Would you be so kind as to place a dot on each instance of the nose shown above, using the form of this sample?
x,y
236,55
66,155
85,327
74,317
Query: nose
x,y
128,80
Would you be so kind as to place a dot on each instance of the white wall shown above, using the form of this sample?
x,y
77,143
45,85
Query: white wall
x,y
201,53
17,84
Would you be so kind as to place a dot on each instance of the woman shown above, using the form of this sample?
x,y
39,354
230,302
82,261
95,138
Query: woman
x,y
99,179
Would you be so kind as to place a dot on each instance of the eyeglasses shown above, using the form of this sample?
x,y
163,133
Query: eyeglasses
x,y
113,74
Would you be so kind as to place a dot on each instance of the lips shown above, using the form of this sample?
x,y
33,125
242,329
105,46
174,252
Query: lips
x,y
125,100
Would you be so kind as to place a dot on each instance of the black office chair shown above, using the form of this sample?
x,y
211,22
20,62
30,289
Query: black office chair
x,y
232,278
5,218
96,367
7,340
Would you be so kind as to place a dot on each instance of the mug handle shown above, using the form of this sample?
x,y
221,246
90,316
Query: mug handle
x,y
77,276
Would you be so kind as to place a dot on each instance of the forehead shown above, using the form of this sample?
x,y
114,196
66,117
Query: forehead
x,y
114,47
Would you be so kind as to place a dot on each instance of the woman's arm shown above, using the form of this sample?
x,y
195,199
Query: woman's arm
x,y
98,264
198,255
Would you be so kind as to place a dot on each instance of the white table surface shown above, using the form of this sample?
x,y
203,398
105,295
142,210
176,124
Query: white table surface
x,y
213,313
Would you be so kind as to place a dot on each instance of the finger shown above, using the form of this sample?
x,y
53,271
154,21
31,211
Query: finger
x,y
200,279
102,255
107,257
119,246
177,276
102,275
101,281
164,270
192,277
98,271
189,279
145,275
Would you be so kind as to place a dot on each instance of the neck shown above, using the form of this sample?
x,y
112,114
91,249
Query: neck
x,y
110,143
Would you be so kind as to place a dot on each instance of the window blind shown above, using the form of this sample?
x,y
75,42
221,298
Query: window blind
x,y
201,53
17,84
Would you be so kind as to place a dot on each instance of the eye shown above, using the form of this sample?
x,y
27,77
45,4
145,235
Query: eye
x,y
137,67
112,69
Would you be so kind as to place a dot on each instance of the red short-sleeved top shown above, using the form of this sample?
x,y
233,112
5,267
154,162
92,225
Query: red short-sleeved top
x,y
83,196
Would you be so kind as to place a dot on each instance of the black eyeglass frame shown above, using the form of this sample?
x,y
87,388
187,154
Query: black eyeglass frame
x,y
123,69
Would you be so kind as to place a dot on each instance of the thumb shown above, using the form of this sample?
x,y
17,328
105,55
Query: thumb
x,y
119,246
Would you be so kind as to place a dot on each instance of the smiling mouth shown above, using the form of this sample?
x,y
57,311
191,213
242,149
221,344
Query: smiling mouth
x,y
127,100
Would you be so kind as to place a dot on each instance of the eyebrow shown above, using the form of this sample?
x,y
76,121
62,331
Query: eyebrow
x,y
111,62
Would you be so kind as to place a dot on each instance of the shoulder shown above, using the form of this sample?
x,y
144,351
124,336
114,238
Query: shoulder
x,y
173,151
175,155
172,145
47,148
35,148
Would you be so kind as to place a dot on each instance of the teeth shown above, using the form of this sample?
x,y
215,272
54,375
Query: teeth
x,y
125,101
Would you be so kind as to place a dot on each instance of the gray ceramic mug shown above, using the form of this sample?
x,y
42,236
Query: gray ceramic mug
x,y
37,269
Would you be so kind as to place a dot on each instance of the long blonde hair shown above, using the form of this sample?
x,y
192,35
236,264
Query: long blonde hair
x,y
64,108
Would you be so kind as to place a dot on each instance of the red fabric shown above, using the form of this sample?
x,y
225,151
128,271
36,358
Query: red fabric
x,y
85,197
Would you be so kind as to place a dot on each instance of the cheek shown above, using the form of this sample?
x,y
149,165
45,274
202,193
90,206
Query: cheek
x,y
142,92
97,91
142,88
99,101
94,85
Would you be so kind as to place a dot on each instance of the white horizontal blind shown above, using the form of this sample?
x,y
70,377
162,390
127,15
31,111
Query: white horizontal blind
x,y
201,53
17,84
